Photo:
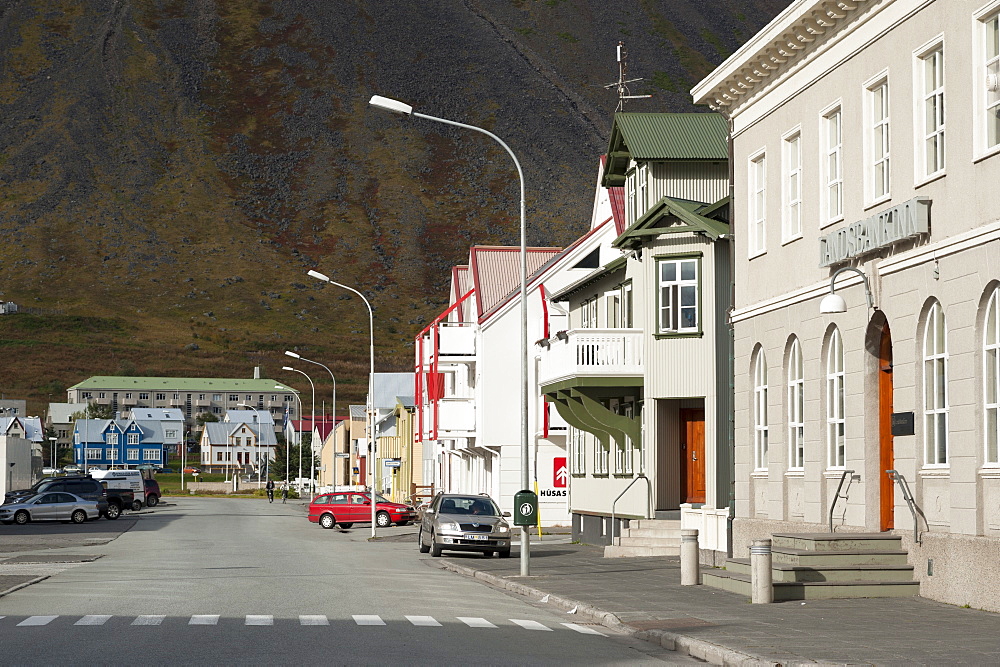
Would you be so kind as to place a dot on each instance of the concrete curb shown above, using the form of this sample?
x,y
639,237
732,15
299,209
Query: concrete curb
x,y
24,585
697,648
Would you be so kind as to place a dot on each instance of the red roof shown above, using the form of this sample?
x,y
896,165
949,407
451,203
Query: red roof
x,y
496,272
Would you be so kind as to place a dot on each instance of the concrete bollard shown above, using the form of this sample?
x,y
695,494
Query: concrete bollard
x,y
690,567
761,590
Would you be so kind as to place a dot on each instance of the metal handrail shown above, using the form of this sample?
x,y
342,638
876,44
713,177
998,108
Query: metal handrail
x,y
895,476
837,495
649,501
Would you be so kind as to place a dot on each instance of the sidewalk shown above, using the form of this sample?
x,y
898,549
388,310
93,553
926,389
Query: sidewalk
x,y
643,596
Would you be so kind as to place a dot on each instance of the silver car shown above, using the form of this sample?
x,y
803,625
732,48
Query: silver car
x,y
51,506
460,522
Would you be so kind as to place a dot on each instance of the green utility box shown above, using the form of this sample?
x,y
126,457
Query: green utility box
x,y
525,508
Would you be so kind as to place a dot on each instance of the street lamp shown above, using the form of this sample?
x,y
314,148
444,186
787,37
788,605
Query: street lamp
x,y
312,460
396,106
370,409
333,409
52,451
296,395
834,303
257,414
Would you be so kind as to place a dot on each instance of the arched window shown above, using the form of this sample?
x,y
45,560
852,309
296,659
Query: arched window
x,y
796,405
760,424
991,375
835,423
935,388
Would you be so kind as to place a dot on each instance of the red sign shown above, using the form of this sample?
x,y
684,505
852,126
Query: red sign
x,y
560,472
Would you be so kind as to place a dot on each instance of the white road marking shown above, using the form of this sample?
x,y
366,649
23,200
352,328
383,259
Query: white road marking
x,y
204,619
259,619
473,622
37,620
530,625
583,629
94,619
148,620
313,619
424,621
362,619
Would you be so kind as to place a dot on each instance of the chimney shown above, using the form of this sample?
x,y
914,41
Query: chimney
x,y
256,372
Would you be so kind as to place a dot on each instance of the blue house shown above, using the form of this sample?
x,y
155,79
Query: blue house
x,y
120,443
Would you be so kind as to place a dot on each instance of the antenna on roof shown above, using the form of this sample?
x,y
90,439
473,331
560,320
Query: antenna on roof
x,y
621,83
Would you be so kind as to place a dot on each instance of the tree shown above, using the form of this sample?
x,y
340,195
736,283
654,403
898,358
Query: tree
x,y
95,411
278,464
204,417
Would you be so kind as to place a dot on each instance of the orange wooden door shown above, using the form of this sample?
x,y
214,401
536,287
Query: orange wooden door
x,y
885,454
692,456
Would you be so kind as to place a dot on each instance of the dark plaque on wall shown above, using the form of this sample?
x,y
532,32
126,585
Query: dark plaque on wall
x,y
902,423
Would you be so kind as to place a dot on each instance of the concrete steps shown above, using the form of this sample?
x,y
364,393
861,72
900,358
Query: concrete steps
x,y
814,566
647,537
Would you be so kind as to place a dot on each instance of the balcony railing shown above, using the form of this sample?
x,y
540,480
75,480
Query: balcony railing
x,y
591,353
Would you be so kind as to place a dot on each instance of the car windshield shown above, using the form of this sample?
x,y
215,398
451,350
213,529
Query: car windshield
x,y
478,506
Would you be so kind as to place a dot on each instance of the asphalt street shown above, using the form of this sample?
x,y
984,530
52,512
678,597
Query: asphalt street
x,y
218,580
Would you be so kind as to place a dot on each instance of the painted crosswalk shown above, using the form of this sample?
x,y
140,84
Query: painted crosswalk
x,y
269,620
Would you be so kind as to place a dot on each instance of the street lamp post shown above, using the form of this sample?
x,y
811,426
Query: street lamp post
x,y
257,414
369,408
396,106
312,458
333,408
287,454
52,451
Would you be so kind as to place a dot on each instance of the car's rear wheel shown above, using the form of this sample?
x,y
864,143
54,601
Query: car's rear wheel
x,y
78,516
504,553
327,521
151,501
136,505
113,512
420,542
21,517
382,519
347,525
435,548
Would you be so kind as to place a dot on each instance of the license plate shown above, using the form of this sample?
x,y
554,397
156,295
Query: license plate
x,y
477,537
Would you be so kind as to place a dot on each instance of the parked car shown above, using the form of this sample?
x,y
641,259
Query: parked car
x,y
189,470
459,522
57,506
49,472
73,469
166,471
111,501
152,492
349,507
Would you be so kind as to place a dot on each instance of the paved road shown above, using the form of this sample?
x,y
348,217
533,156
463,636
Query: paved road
x,y
230,580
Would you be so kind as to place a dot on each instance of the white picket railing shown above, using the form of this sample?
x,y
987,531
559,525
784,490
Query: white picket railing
x,y
591,352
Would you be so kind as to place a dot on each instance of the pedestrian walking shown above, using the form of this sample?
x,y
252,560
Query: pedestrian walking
x,y
270,490
284,492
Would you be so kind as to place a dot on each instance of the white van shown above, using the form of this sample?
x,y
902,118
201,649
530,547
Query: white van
x,y
123,479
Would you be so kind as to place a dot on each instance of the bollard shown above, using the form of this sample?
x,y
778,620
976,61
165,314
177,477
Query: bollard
x,y
761,591
690,568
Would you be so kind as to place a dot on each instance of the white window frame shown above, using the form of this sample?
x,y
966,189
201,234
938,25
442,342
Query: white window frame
x,y
631,207
132,454
796,408
151,454
671,295
578,451
836,403
112,439
112,453
760,421
934,343
924,99
877,124
791,185
832,153
132,439
757,204
94,454
991,381
983,63
642,190
624,452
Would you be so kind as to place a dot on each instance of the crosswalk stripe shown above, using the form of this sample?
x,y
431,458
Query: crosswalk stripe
x,y
149,619
530,625
37,620
474,622
583,629
259,619
423,621
369,619
94,619
313,619
204,619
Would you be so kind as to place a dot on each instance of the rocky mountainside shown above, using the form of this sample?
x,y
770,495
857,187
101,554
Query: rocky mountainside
x,y
169,169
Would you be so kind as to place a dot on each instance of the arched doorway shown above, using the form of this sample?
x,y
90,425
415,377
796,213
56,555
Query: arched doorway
x,y
886,459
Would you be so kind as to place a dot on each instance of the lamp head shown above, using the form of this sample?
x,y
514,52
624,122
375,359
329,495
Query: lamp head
x,y
395,106
317,275
293,355
287,368
832,303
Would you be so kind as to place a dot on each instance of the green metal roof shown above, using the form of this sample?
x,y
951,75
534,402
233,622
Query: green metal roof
x,y
260,385
672,216
617,264
664,136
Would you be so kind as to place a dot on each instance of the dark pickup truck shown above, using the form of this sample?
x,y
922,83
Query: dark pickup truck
x,y
110,502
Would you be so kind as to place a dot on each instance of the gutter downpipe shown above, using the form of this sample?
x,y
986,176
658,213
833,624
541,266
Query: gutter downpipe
x,y
731,430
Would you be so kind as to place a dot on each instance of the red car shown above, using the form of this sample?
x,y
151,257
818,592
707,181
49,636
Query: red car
x,y
349,507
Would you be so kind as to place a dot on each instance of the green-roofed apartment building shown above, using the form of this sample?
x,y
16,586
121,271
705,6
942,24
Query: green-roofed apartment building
x,y
192,396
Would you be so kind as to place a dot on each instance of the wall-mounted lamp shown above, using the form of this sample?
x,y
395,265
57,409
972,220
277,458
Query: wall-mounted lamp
x,y
834,303
542,342
562,335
